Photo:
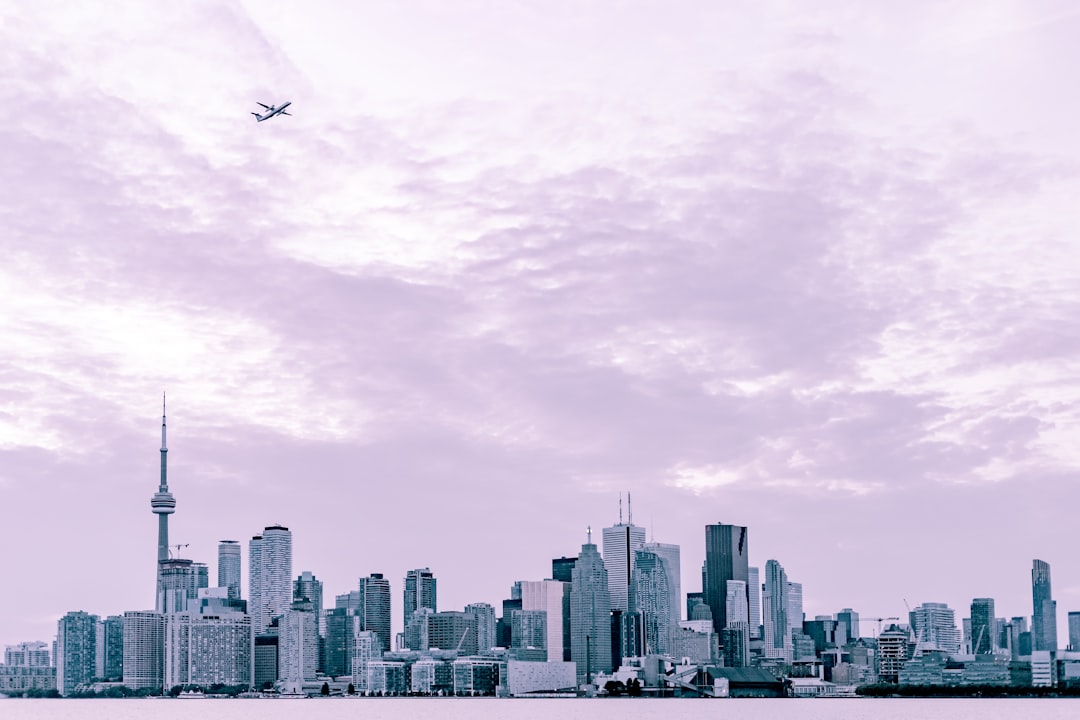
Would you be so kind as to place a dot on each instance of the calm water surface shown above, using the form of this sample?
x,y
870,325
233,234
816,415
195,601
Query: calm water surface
x,y
522,709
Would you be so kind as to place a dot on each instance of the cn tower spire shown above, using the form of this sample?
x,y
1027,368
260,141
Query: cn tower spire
x,y
162,503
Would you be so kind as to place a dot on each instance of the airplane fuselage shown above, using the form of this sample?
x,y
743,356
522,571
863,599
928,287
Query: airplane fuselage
x,y
271,111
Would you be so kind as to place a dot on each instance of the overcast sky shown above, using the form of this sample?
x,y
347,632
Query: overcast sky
x,y
811,268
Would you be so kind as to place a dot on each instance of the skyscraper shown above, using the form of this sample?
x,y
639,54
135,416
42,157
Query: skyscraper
x,y
726,558
753,592
420,592
651,600
162,504
982,626
1074,631
269,576
850,619
1044,617
736,635
375,608
546,596
794,607
672,557
485,626
777,629
144,650
590,612
620,542
935,628
228,569
308,587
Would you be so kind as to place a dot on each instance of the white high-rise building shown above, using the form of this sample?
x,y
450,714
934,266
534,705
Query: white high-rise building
x,y
269,576
753,591
546,596
736,633
144,650
934,625
298,646
208,649
777,628
794,607
620,542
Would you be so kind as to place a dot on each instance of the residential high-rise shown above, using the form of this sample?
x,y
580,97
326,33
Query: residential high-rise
x,y
777,629
590,611
298,644
76,650
269,576
114,648
727,549
452,630
1044,617
934,625
162,504
179,582
753,592
983,626
206,650
144,650
307,587
228,570
485,626
27,654
420,591
375,608
620,542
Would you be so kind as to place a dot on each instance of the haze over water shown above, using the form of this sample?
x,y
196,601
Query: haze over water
x,y
540,709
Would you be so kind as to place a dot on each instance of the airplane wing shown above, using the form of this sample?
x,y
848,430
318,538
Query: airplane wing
x,y
259,103
286,112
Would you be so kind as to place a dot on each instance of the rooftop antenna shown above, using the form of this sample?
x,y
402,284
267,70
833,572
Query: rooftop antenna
x,y
588,534
629,510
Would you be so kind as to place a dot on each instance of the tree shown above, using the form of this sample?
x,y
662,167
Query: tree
x,y
350,690
325,689
633,688
615,688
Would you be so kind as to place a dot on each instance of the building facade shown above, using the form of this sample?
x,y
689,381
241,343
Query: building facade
x,y
1044,615
228,575
620,542
144,650
727,549
76,650
590,611
269,575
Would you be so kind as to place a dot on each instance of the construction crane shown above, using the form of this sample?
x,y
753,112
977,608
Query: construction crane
x,y
182,545
878,621
462,640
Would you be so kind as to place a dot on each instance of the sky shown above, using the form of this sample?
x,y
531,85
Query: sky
x,y
812,269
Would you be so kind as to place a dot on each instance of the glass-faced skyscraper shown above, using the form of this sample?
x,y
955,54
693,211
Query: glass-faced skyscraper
x,y
420,592
228,571
982,626
620,542
727,555
775,600
375,607
1044,615
590,615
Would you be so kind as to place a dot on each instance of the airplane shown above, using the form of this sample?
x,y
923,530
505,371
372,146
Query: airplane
x,y
271,111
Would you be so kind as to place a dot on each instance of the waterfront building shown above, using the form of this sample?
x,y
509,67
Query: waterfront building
x,y
485,626
298,644
892,653
144,650
367,646
265,660
27,654
1044,617
590,611
375,605
76,650
229,567
209,649
452,630
546,597
727,550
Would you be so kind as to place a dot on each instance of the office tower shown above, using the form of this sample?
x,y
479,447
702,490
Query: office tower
x,y
308,587
794,607
76,650
228,567
562,569
672,557
1044,617
114,648
420,591
265,660
753,594
208,649
342,625
694,600
545,596
736,636
269,576
850,619
983,626
27,654
590,610
651,600
162,504
1074,631
485,626
144,650
528,631
934,625
726,558
620,542
775,597
375,604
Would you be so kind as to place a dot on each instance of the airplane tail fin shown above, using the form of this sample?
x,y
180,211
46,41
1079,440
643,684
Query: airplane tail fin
x,y
257,116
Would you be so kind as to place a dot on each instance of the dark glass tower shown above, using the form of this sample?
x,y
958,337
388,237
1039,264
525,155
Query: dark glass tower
x,y
982,626
1044,615
727,552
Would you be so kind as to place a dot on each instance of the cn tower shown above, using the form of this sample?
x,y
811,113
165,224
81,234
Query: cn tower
x,y
163,503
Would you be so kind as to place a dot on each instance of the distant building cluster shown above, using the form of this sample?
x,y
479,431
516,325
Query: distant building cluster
x,y
612,619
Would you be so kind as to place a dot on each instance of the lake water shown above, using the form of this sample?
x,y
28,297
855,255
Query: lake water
x,y
538,709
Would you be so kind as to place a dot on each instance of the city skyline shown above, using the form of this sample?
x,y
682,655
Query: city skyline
x,y
812,273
